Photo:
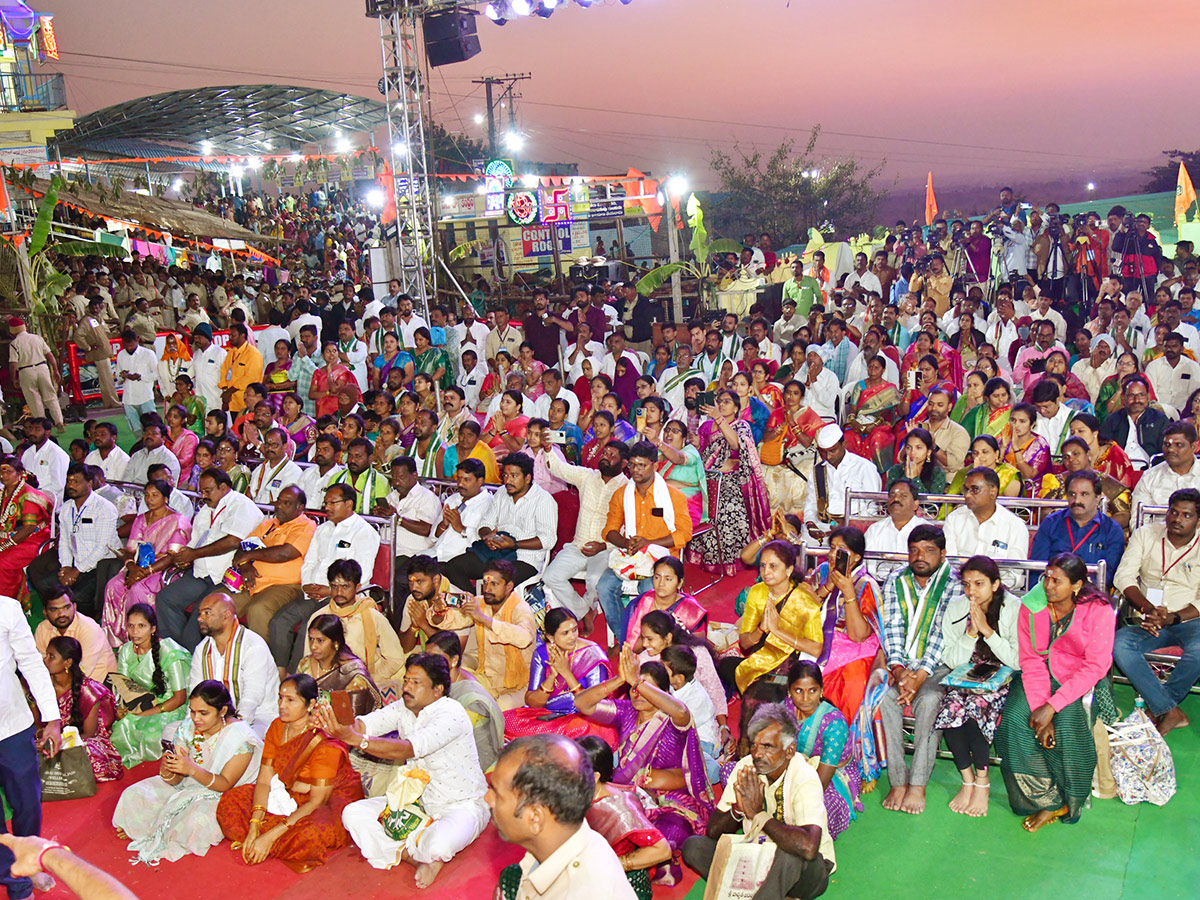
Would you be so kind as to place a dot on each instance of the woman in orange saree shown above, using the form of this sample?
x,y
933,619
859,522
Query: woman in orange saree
x,y
293,812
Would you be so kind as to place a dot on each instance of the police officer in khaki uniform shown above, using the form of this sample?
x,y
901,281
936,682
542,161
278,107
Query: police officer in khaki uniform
x,y
91,335
32,365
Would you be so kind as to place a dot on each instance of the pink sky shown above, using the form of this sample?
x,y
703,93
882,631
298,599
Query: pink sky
x,y
1025,89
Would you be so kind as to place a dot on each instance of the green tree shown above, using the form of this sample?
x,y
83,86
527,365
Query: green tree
x,y
787,193
1166,176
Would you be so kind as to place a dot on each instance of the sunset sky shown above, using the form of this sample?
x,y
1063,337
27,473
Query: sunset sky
x,y
1024,89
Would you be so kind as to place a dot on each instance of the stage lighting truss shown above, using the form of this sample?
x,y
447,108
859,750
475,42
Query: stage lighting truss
x,y
501,11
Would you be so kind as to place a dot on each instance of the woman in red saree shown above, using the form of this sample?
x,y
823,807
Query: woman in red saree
x,y
293,812
331,381
872,412
563,664
602,431
1107,458
25,516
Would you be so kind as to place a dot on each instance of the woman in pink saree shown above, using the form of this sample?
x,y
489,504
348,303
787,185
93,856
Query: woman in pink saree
x,y
1027,452
658,748
141,578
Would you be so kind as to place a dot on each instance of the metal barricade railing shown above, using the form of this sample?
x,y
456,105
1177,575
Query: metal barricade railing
x,y
1147,514
871,506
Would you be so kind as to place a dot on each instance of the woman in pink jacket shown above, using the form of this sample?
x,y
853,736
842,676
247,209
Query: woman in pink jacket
x,y
1065,642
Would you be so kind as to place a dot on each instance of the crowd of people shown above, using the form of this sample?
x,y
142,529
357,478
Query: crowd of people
x,y
544,468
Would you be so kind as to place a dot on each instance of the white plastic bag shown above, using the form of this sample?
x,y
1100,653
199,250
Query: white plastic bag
x,y
1141,761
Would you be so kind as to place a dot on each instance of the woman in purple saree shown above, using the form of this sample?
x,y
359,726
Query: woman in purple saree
x,y
658,749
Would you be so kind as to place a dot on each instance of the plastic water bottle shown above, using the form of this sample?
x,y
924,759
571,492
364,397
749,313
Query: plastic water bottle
x,y
1138,702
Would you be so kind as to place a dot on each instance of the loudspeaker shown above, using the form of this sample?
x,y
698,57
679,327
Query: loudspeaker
x,y
450,37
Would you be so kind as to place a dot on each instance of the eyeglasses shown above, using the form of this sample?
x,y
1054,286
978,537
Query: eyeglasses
x,y
974,489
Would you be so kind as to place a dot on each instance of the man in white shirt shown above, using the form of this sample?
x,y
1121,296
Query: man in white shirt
x,y
137,367
821,386
87,533
825,505
872,341
267,338
1045,312
276,471
408,321
316,479
207,362
417,510
1001,328
45,459
588,552
305,317
218,529
583,348
552,385
352,353
890,534
862,278
472,332
1178,470
980,527
617,351
1054,417
153,451
522,517
1174,376
253,680
434,733
767,348
107,457
565,859
464,511
178,501
19,757
343,535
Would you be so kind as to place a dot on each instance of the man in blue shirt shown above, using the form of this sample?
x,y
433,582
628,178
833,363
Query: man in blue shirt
x,y
1081,528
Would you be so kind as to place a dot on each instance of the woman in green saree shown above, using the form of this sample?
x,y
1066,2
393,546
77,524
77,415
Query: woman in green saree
x,y
683,469
159,666
971,409
1109,399
430,360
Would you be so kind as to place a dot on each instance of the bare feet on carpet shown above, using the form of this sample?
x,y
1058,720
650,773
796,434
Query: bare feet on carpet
x,y
426,872
895,798
1171,720
914,800
42,881
979,800
960,802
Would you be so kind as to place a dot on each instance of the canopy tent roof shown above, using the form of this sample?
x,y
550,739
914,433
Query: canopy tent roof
x,y
158,213
238,119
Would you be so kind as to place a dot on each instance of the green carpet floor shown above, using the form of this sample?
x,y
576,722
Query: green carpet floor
x,y
1114,851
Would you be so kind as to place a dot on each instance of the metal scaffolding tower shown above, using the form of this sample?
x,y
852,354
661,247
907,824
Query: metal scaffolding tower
x,y
403,87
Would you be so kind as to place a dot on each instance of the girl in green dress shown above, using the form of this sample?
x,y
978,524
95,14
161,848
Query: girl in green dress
x,y
159,666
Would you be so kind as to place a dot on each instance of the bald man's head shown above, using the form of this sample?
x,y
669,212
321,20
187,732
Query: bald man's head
x,y
216,614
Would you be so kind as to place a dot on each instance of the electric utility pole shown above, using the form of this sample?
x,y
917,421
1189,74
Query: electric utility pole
x,y
507,95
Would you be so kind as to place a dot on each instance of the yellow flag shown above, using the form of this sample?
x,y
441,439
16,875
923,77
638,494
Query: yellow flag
x,y
1185,195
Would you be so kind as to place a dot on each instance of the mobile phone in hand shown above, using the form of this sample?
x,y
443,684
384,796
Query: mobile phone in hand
x,y
168,746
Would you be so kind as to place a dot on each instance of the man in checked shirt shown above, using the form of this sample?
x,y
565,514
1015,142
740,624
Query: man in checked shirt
x,y
914,601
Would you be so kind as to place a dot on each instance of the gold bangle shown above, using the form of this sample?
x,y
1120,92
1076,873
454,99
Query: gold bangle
x,y
257,807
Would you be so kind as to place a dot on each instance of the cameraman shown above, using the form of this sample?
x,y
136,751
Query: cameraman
x,y
978,249
1139,252
932,281
1018,249
1088,260
1052,252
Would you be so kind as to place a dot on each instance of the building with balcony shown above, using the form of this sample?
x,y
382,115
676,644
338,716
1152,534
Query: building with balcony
x,y
33,103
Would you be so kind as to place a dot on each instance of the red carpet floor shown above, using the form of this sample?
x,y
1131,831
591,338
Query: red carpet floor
x,y
86,826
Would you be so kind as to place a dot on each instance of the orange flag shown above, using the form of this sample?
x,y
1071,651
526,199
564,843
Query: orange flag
x,y
387,182
1185,195
931,209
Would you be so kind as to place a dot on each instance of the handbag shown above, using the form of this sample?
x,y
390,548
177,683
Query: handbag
x,y
1142,765
740,865
69,775
128,693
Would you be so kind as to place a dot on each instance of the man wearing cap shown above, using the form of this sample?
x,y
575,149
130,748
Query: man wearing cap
x,y
207,362
91,336
32,365
838,470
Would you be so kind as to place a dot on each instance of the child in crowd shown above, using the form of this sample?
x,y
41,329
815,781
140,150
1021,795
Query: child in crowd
x,y
681,667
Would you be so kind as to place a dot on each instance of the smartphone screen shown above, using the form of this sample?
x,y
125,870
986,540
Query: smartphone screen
x,y
168,746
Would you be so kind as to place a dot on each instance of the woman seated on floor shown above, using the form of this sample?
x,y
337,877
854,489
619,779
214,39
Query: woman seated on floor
x,y
660,631
84,704
667,596
293,812
824,739
335,668
852,623
563,664
783,617
175,813
159,667
979,627
1065,642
